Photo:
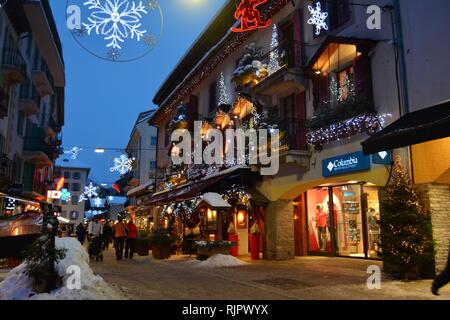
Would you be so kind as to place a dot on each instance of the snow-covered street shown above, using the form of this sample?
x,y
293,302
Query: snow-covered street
x,y
182,277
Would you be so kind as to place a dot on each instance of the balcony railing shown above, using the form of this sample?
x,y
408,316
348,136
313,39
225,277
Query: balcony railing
x,y
42,77
14,65
286,54
294,133
30,99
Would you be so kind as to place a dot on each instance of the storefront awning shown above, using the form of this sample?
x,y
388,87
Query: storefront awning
x,y
413,128
193,189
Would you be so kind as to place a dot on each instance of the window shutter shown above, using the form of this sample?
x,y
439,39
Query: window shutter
x,y
362,72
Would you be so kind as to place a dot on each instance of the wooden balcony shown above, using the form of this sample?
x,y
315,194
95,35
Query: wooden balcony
x,y
12,66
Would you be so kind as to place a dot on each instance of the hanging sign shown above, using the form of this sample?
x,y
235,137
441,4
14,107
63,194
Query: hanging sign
x,y
60,184
382,157
346,163
250,16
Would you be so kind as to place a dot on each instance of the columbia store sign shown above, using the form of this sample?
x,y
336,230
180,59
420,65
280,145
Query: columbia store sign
x,y
346,163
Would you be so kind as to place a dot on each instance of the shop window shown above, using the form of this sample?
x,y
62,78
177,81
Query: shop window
x,y
319,237
349,228
373,221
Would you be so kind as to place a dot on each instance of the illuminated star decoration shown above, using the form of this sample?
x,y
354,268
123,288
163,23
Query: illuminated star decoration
x,y
113,54
115,20
74,152
318,18
65,195
122,164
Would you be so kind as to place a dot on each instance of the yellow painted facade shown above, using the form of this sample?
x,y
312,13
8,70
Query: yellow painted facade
x,y
431,161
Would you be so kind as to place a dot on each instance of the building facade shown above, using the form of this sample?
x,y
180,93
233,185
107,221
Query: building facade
x,y
327,91
32,80
75,176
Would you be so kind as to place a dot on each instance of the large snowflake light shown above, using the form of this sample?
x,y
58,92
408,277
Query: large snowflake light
x,y
90,191
318,18
116,20
122,164
98,202
74,152
65,195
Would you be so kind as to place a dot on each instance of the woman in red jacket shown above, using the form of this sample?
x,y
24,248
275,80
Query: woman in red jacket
x,y
131,239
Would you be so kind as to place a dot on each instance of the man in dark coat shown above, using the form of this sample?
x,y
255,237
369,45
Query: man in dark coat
x,y
442,279
81,233
107,235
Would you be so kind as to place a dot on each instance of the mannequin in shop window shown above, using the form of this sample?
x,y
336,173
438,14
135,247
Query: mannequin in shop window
x,y
321,225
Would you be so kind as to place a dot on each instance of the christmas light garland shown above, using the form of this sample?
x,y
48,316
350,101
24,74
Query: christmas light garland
x,y
368,123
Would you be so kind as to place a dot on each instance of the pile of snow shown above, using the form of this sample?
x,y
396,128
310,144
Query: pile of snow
x,y
221,260
18,286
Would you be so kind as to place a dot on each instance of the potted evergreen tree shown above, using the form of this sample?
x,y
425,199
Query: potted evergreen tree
x,y
406,237
161,239
143,243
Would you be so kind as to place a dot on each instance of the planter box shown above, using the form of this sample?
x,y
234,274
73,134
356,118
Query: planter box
x,y
142,249
161,251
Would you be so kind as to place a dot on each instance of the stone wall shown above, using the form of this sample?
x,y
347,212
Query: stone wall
x,y
280,230
436,198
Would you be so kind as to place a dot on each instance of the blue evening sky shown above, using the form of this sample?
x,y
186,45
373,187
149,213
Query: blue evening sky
x,y
104,98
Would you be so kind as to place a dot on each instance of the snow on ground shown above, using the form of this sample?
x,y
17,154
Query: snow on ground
x,y
220,260
18,286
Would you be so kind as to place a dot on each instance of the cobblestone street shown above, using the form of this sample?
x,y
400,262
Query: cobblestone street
x,y
303,278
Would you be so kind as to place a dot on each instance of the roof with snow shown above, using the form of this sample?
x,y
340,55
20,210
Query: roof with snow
x,y
68,162
215,200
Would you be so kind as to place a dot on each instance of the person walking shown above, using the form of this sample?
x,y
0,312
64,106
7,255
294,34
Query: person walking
x,y
131,239
81,233
442,279
107,235
120,233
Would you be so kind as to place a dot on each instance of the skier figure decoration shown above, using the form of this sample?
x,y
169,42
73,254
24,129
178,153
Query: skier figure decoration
x,y
250,16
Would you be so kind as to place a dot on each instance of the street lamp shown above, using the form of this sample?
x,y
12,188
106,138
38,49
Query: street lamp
x,y
100,150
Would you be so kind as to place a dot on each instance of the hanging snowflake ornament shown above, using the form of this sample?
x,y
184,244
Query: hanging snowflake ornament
x,y
90,191
113,54
318,18
81,32
116,20
122,164
98,202
74,152
82,198
65,195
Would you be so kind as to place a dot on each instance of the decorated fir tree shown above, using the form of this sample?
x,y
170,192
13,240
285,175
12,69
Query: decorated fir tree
x,y
406,239
274,56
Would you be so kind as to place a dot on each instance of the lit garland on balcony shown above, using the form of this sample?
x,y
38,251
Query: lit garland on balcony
x,y
368,123
193,80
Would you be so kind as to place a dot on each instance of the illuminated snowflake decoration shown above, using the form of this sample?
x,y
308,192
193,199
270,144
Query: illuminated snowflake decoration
x,y
98,202
122,164
115,20
90,191
318,18
152,4
74,152
82,198
113,54
65,195
149,40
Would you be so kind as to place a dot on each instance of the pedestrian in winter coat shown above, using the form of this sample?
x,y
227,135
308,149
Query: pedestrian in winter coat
x,y
81,233
442,279
107,235
131,239
120,234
